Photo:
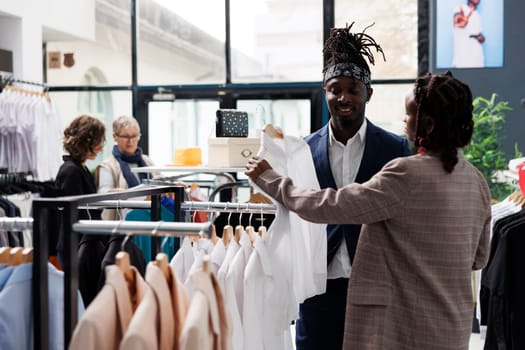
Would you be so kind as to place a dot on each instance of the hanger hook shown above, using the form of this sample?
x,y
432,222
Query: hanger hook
x,y
202,234
262,219
211,215
230,214
115,229
240,212
250,219
156,228
118,209
164,241
124,241
87,209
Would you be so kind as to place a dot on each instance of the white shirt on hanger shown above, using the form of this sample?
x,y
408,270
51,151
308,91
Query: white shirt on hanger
x,y
234,288
262,285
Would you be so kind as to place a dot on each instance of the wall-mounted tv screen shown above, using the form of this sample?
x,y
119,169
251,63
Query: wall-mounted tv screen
x,y
468,33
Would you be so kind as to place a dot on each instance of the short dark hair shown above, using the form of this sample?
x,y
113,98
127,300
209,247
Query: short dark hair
x,y
82,135
448,102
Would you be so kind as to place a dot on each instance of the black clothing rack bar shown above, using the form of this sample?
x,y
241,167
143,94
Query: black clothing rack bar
x,y
70,206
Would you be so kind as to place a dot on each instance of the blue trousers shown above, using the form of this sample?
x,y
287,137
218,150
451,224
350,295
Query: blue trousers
x,y
321,320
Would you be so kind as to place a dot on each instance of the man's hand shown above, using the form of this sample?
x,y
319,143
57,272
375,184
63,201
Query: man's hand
x,y
255,167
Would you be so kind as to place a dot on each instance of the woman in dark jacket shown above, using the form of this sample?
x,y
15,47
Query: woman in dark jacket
x,y
84,138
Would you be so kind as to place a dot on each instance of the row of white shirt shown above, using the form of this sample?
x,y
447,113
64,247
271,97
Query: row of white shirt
x,y
257,297
265,281
30,135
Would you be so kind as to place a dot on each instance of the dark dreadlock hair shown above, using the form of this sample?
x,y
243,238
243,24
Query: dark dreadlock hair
x,y
448,102
343,46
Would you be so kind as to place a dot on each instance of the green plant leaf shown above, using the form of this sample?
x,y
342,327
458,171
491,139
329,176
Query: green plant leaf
x,y
484,150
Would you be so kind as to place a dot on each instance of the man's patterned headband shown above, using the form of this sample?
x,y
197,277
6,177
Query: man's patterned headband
x,y
347,69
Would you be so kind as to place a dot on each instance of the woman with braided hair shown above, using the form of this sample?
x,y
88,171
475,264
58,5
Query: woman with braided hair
x,y
426,221
349,148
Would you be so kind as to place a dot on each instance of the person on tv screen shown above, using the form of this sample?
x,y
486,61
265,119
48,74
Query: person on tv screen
x,y
468,39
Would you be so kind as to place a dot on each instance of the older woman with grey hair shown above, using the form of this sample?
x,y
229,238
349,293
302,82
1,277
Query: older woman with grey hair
x,y
115,172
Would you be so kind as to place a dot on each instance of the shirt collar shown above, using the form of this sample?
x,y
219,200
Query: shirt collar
x,y
361,133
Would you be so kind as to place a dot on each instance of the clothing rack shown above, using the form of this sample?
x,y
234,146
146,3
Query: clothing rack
x,y
261,208
175,229
183,172
118,204
69,207
9,79
16,223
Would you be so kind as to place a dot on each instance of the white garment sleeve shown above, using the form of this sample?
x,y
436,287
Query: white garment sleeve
x,y
105,180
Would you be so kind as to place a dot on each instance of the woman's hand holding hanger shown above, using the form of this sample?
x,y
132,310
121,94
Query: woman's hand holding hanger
x,y
256,166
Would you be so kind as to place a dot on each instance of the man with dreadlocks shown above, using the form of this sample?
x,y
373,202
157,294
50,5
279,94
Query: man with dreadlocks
x,y
426,226
348,149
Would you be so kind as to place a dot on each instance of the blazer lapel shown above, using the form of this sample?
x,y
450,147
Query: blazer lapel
x,y
319,148
368,166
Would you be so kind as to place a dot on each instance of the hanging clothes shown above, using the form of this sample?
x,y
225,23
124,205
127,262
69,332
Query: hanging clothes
x,y
31,133
207,325
16,313
103,327
503,282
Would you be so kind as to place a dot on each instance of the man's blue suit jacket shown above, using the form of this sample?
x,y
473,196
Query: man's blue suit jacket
x,y
381,146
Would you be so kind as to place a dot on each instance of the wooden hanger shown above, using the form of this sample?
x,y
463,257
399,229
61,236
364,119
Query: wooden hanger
x,y
4,255
517,197
514,196
521,201
27,255
263,233
238,232
214,238
258,198
250,230
206,263
15,256
273,132
123,262
161,261
227,234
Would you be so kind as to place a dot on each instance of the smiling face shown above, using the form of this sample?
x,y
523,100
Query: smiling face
x,y
346,99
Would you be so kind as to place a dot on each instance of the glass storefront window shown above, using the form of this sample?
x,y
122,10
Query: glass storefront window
x,y
276,41
293,116
105,105
394,29
181,42
179,124
69,58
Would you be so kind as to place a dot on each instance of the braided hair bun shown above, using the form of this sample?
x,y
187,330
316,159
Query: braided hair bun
x,y
448,103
